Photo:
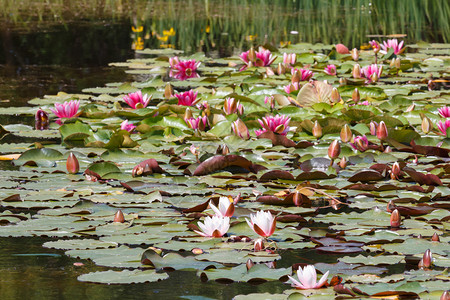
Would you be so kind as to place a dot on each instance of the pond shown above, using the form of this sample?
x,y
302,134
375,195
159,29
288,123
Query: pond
x,y
57,228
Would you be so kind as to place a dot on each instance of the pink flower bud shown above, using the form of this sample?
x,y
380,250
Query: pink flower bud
x,y
373,127
249,264
317,130
435,237
258,245
382,131
334,150
119,217
395,171
355,95
355,54
356,73
72,164
346,134
427,259
395,219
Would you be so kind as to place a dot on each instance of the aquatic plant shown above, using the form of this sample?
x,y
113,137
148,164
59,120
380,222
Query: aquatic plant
x,y
215,226
136,100
262,223
307,278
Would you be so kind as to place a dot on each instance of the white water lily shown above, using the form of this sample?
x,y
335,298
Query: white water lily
x,y
263,223
215,226
225,209
308,277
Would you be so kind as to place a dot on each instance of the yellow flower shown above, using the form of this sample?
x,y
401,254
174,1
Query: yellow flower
x,y
170,32
162,38
251,37
138,29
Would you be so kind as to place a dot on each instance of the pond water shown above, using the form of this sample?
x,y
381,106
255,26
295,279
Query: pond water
x,y
47,53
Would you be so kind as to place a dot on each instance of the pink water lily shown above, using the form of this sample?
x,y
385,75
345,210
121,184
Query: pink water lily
x,y
188,98
278,124
368,72
127,126
231,105
136,100
330,70
291,87
305,74
289,59
262,223
375,46
443,126
393,43
308,278
67,109
263,58
214,226
199,123
183,69
360,143
225,209
444,112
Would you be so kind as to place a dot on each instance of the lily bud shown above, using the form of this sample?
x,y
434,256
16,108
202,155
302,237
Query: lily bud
x,y
334,150
373,127
397,63
41,120
342,81
382,131
72,164
251,55
356,73
427,259
230,106
395,219
258,245
355,95
168,91
118,217
395,171
296,77
411,107
240,129
296,198
197,251
335,96
392,63
445,295
249,264
317,130
435,238
223,149
346,134
343,162
281,69
269,71
427,126
355,54
431,85
188,114
388,149
374,77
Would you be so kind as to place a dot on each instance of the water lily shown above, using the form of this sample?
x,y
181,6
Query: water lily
x,y
67,109
444,112
443,126
270,100
375,46
240,129
278,124
225,209
183,69
368,72
137,100
262,58
199,123
214,226
330,70
289,59
304,74
308,278
188,98
360,143
262,223
231,105
127,126
291,87
393,43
